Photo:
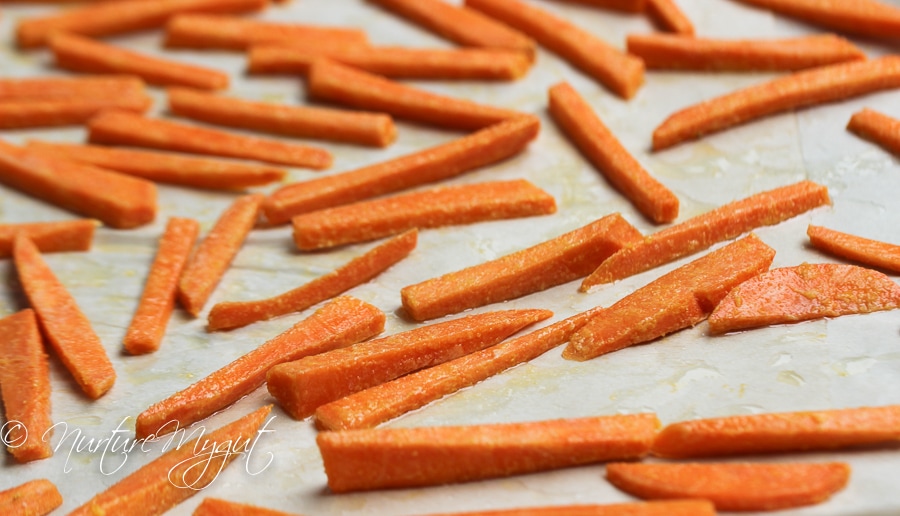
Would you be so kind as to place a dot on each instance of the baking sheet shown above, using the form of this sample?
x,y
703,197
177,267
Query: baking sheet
x,y
845,362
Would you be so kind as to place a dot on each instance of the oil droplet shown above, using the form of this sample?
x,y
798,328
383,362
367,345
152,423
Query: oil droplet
x,y
781,359
791,378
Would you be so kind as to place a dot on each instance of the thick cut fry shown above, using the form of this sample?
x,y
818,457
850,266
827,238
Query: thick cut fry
x,y
556,261
669,17
870,252
303,385
33,498
805,88
340,323
701,232
234,314
578,120
878,128
733,486
869,18
118,128
50,237
657,508
621,73
804,292
482,148
64,111
219,507
452,205
628,6
64,325
362,128
86,87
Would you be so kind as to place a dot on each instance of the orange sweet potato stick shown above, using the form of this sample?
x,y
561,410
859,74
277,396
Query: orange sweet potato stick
x,y
64,325
341,322
628,6
621,73
218,507
214,255
700,232
733,486
656,508
180,472
303,385
556,261
878,128
371,407
869,18
64,111
119,128
228,315
148,325
50,237
804,292
874,253
358,460
669,17
578,120
49,88
375,129
482,148
805,88
34,498
677,300
466,204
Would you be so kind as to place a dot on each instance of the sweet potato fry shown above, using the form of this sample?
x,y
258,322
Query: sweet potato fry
x,y
628,6
700,232
733,486
482,148
85,87
878,128
621,73
869,18
219,507
556,261
805,88
804,292
64,325
33,498
863,250
64,111
578,120
669,17
466,204
50,237
234,314
375,129
341,322
656,508
118,128
303,385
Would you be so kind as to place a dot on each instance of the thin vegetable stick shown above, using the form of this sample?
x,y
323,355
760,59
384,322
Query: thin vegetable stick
x,y
874,253
867,18
556,261
50,237
33,498
628,6
83,54
148,325
657,508
375,405
341,322
303,385
214,255
358,460
700,232
489,145
674,52
878,128
118,128
668,16
603,149
179,473
335,82
64,325
68,111
805,88
466,204
234,314
219,507
621,73
47,88
362,128
733,486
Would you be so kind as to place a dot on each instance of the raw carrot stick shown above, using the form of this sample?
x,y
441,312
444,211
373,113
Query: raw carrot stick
x,y
118,128
603,149
656,508
805,88
677,300
47,88
371,407
219,507
180,472
878,128
466,204
25,385
628,6
33,498
332,81
733,486
303,385
804,292
214,255
81,54
50,237
64,325
234,314
163,167
556,261
874,253
489,145
342,322
621,73
358,460
362,128
669,17
700,232
867,18
148,325
64,111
